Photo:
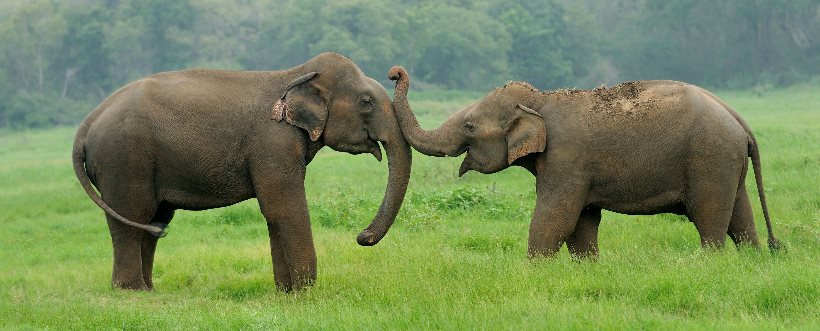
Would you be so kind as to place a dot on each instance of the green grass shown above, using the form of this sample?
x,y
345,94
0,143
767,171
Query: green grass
x,y
455,259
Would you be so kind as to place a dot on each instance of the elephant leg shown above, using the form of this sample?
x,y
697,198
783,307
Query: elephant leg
x,y
742,226
281,271
583,241
149,244
282,201
127,241
297,243
561,193
710,209
553,221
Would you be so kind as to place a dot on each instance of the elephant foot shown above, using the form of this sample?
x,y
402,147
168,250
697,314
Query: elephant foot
x,y
131,285
149,284
539,254
295,285
295,289
582,257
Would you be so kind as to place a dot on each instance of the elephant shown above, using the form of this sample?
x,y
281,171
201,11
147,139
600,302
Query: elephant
x,y
201,139
638,148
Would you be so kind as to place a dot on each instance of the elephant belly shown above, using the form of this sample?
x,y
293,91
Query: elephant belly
x,y
666,202
180,199
642,182
198,189
639,203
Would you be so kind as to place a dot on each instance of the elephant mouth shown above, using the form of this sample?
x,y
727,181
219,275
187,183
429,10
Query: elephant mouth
x,y
368,146
480,165
462,150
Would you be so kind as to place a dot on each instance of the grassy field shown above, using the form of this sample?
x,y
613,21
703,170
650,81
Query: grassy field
x,y
456,258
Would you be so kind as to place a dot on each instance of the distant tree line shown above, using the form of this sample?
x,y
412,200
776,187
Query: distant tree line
x,y
60,58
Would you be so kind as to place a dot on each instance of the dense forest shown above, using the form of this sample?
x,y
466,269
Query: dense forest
x,y
60,58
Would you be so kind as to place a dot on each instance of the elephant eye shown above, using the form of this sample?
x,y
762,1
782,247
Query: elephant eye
x,y
367,100
469,127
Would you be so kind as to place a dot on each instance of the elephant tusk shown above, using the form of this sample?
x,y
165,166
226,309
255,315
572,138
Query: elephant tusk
x,y
377,152
463,168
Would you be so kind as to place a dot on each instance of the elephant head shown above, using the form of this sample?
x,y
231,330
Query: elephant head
x,y
495,131
336,104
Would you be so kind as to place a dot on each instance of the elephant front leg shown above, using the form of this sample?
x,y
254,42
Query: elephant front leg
x,y
552,223
557,209
283,202
548,231
292,249
281,271
583,242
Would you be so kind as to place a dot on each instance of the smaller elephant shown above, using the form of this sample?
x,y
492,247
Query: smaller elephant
x,y
639,148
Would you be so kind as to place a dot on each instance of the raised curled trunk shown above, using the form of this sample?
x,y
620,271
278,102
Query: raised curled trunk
x,y
399,161
439,142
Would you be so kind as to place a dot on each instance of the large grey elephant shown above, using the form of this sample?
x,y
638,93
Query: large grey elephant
x,y
201,139
638,148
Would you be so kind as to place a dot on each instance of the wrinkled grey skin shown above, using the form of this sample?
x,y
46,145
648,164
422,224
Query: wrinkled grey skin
x,y
201,139
637,148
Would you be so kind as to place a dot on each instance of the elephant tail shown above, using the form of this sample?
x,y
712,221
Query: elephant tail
x,y
78,156
754,154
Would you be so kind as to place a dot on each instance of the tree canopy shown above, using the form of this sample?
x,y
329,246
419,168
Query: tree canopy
x,y
59,58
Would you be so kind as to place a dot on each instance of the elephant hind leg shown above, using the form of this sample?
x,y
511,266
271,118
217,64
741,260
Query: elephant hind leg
x,y
164,215
742,226
710,209
135,201
583,242
128,243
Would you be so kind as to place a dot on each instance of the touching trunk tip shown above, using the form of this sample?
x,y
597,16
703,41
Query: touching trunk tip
x,y
367,238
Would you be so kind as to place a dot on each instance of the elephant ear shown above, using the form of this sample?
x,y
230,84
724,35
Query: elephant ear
x,y
526,134
303,106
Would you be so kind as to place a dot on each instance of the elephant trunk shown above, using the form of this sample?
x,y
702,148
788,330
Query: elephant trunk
x,y
399,160
437,142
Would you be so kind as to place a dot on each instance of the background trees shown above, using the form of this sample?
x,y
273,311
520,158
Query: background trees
x,y
60,58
